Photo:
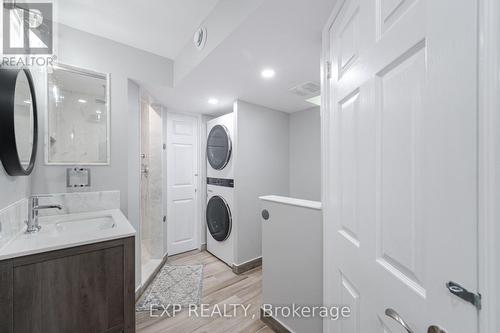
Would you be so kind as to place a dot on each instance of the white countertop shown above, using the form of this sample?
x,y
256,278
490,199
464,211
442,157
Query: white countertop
x,y
49,239
292,201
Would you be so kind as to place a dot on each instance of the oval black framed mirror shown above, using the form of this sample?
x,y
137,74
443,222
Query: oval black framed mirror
x,y
18,121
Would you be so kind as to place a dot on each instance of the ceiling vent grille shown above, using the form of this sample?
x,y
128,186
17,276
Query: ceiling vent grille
x,y
306,89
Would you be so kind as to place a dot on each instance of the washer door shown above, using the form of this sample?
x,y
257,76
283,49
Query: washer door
x,y
219,219
218,147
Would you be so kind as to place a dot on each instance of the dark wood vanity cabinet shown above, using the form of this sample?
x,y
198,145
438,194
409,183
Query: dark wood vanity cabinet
x,y
87,289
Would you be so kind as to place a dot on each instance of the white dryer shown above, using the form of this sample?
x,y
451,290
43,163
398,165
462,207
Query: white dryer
x,y
220,236
220,147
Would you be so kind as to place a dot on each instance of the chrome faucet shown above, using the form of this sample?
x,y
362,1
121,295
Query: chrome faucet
x,y
32,224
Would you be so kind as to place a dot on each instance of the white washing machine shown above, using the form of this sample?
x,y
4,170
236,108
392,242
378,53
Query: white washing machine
x,y
220,147
220,185
220,236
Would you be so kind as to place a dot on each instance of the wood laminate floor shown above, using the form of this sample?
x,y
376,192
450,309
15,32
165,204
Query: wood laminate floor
x,y
220,286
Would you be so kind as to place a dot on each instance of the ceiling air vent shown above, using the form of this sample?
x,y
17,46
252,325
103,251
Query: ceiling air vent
x,y
306,89
200,38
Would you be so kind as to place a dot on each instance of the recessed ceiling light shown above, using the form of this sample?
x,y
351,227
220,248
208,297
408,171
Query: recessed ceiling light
x,y
82,101
213,101
200,38
268,73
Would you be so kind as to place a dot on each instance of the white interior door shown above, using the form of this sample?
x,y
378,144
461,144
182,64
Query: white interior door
x,y
182,173
401,198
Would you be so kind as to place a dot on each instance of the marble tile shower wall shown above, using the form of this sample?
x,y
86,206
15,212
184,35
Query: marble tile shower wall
x,y
155,184
80,202
12,220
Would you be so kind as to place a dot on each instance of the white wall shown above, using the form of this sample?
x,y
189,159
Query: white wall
x,y
496,176
495,297
203,176
305,154
261,136
220,23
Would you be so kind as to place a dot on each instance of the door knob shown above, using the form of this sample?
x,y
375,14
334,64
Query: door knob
x,y
391,313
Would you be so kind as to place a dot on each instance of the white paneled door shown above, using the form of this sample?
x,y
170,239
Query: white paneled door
x,y
401,140
182,174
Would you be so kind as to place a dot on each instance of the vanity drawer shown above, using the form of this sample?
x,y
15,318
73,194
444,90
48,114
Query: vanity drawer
x,y
84,289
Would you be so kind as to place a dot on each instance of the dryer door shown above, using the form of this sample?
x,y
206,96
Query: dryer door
x,y
219,219
218,147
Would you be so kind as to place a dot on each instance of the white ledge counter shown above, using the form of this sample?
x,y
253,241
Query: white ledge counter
x,y
292,259
292,201
65,231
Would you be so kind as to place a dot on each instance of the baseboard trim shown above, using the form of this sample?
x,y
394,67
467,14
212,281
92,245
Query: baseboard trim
x,y
246,266
143,287
272,322
203,247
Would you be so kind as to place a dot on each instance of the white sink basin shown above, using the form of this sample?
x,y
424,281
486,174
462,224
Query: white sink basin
x,y
63,231
81,225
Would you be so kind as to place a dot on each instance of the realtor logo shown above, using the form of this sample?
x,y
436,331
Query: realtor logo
x,y
27,28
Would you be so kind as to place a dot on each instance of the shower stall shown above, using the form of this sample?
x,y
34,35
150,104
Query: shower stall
x,y
151,186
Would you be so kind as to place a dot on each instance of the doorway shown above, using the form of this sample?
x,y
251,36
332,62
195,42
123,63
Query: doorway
x,y
401,173
183,179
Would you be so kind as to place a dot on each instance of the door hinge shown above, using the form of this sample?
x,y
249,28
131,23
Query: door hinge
x,y
328,70
459,291
164,146
164,219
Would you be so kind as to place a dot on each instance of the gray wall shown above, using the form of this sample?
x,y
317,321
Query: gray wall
x,y
127,67
12,189
305,154
262,137
95,53
134,168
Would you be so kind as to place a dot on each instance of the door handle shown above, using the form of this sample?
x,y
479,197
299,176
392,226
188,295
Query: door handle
x,y
391,313
459,291
435,329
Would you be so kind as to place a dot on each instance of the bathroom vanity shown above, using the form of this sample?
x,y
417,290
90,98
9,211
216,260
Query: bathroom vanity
x,y
71,272
75,275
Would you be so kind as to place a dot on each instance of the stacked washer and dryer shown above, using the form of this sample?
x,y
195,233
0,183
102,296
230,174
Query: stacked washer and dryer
x,y
235,181
220,188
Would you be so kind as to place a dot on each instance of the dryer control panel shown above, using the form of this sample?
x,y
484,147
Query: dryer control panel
x,y
220,182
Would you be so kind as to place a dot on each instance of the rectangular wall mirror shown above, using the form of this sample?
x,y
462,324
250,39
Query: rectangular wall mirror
x,y
78,119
